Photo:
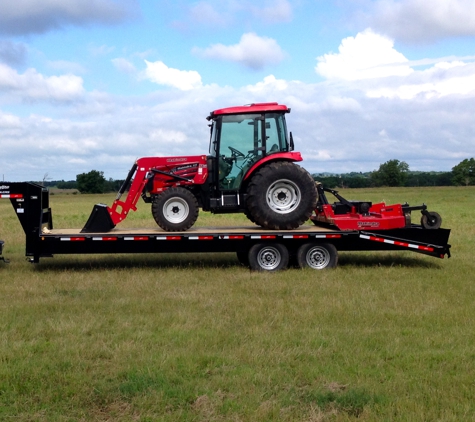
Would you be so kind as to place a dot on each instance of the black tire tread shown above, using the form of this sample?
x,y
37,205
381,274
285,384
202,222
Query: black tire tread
x,y
157,209
257,208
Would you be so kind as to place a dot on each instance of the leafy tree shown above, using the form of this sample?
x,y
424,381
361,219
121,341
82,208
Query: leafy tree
x,y
391,173
464,173
92,182
70,184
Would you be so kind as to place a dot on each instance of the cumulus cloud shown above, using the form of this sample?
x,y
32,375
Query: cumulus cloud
x,y
367,55
33,86
252,51
454,78
31,16
159,73
369,63
421,20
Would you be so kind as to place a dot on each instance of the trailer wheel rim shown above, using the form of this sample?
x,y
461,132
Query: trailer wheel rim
x,y
176,210
283,196
269,258
318,258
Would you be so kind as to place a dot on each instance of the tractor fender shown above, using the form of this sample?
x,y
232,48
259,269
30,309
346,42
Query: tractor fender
x,y
280,156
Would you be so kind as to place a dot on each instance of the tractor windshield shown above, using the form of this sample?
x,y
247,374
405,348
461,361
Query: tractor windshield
x,y
239,140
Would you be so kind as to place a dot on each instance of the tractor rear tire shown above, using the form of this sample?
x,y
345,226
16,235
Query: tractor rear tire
x,y
176,209
281,196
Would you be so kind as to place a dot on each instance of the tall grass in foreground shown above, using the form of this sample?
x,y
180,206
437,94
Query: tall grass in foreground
x,y
385,336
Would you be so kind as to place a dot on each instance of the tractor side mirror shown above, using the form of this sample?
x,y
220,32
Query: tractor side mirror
x,y
291,142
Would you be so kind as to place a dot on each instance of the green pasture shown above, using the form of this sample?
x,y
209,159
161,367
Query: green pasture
x,y
387,336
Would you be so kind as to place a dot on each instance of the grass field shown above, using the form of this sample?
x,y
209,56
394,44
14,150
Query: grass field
x,y
384,337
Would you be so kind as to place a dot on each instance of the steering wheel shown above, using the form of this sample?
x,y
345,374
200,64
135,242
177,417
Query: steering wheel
x,y
236,153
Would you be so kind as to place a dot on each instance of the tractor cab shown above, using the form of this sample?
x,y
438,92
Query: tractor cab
x,y
243,136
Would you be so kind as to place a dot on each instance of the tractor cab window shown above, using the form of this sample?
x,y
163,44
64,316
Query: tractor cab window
x,y
276,134
245,139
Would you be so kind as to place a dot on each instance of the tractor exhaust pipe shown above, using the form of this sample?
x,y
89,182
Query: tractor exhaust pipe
x,y
99,221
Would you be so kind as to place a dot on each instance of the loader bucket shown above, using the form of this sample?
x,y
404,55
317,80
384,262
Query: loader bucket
x,y
99,221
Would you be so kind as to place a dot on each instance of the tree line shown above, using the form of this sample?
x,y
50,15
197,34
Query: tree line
x,y
390,173
394,173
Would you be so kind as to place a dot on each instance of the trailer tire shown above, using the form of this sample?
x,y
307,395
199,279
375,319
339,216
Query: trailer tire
x,y
268,257
243,257
434,221
176,209
317,256
281,196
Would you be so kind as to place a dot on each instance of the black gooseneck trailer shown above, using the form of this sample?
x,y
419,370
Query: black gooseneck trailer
x,y
310,245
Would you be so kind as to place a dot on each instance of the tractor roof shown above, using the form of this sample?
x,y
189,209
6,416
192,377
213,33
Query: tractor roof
x,y
250,108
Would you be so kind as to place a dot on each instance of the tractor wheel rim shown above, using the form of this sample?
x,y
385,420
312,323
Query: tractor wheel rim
x,y
283,196
176,210
318,258
269,258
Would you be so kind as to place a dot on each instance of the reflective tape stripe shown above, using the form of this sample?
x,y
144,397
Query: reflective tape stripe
x,y
296,236
264,237
72,239
201,238
397,243
136,238
106,239
234,237
168,237
11,195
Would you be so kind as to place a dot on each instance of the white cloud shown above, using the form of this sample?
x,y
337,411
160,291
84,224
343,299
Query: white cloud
x,y
32,85
124,65
366,56
422,20
456,78
185,80
32,16
269,84
252,51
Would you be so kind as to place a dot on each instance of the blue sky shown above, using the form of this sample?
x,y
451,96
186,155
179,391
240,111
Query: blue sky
x,y
97,84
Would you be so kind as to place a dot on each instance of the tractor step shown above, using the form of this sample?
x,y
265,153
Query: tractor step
x,y
99,221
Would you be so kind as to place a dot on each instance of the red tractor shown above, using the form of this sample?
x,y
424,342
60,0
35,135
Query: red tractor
x,y
250,168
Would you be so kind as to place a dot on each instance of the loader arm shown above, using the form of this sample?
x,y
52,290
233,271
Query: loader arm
x,y
104,218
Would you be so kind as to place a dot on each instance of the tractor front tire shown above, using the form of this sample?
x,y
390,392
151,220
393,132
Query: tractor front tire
x,y
281,196
176,209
